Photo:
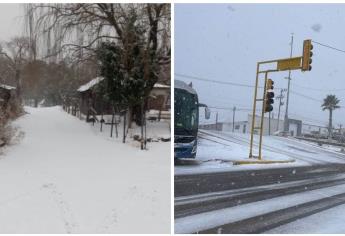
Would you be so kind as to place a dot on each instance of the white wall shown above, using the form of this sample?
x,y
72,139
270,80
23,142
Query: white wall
x,y
274,124
239,127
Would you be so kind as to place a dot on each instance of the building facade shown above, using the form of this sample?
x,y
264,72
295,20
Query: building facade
x,y
238,127
314,129
270,126
92,102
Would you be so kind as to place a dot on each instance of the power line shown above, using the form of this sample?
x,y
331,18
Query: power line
x,y
213,81
307,97
293,114
251,86
230,108
298,116
226,101
308,118
243,85
328,46
317,89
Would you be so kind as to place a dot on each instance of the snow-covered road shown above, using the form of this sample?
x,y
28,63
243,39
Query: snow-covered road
x,y
66,177
200,222
217,150
326,222
214,196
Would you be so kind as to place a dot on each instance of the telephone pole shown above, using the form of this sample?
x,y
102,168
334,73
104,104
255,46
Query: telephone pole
x,y
339,130
280,97
286,118
233,118
217,121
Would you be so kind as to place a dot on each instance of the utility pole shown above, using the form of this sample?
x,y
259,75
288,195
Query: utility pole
x,y
217,121
280,97
233,118
269,123
286,118
340,128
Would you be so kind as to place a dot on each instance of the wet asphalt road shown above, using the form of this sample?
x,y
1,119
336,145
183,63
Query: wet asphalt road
x,y
201,193
220,181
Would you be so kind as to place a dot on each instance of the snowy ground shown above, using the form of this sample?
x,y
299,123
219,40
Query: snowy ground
x,y
326,222
64,176
217,150
215,218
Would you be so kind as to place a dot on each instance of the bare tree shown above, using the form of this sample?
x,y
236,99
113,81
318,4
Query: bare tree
x,y
16,53
99,22
77,30
29,27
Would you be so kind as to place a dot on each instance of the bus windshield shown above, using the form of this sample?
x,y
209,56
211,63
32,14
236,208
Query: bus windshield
x,y
186,112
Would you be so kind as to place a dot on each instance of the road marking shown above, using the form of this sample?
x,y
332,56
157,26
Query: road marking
x,y
203,221
234,192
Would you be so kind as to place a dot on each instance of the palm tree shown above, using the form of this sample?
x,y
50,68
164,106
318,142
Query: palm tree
x,y
330,103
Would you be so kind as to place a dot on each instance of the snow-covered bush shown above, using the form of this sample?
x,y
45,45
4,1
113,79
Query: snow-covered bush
x,y
10,111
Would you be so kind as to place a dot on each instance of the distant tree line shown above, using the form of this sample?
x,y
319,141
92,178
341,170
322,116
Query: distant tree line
x,y
130,44
41,80
67,45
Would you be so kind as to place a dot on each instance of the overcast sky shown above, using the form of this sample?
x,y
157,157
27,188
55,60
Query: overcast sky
x,y
10,20
225,41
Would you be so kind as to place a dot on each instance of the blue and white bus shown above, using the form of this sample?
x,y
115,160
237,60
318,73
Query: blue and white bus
x,y
186,107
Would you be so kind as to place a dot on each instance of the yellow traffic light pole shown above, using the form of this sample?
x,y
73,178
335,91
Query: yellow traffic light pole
x,y
262,114
263,99
254,111
294,63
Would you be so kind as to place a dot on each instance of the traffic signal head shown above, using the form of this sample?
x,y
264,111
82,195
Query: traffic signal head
x,y
269,96
268,108
307,55
269,84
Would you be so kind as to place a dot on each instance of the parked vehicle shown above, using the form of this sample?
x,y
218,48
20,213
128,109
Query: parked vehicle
x,y
186,120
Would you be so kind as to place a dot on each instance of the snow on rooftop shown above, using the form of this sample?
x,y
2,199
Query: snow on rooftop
x,y
4,86
182,85
158,85
96,80
90,84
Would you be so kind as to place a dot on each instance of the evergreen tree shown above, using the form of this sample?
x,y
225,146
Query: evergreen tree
x,y
129,69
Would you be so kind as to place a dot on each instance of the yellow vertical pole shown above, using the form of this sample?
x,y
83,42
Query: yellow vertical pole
x,y
262,115
254,111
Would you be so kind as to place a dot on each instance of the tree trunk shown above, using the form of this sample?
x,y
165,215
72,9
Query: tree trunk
x,y
36,102
145,139
330,124
102,120
130,117
112,124
18,85
142,126
124,127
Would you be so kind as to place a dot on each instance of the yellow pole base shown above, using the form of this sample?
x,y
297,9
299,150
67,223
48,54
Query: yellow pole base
x,y
245,162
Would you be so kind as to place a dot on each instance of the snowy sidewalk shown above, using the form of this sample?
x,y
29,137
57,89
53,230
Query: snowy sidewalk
x,y
63,177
